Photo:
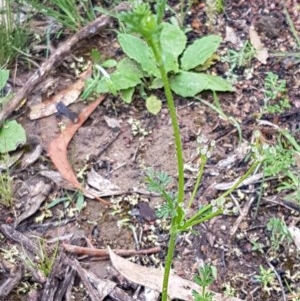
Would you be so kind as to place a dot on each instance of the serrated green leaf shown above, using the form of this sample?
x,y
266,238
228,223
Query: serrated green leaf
x,y
127,94
12,134
200,51
189,84
153,104
138,50
4,75
173,42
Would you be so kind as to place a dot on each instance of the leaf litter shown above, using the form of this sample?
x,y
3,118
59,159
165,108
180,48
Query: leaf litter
x,y
234,259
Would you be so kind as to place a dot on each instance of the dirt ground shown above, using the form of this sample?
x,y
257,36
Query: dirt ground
x,y
141,140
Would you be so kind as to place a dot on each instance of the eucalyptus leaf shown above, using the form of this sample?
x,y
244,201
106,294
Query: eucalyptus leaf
x,y
200,51
189,84
138,50
153,104
12,135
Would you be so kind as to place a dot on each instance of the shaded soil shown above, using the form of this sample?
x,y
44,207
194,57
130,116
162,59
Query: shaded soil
x,y
123,160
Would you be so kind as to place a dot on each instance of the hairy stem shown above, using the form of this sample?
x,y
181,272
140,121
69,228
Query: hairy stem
x,y
177,219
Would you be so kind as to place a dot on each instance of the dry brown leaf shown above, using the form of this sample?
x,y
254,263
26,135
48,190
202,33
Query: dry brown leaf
x,y
179,288
102,185
231,36
58,147
67,96
295,232
261,52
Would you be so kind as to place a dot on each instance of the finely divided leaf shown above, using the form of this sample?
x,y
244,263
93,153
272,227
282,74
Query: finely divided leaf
x,y
138,50
200,51
189,84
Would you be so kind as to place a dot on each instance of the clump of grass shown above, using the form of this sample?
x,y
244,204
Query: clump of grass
x,y
45,258
13,34
71,14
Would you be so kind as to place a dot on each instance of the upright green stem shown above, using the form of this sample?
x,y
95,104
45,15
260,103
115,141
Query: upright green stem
x,y
176,220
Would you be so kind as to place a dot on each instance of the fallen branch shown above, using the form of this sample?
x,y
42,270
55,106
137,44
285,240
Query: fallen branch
x,y
104,253
55,59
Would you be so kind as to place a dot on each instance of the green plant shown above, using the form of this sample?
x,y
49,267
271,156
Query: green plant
x,y
45,258
275,90
266,278
12,134
256,245
280,160
277,159
154,58
279,233
207,275
141,69
238,59
68,199
70,13
13,34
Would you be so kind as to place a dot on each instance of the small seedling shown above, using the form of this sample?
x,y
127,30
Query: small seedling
x,y
238,59
256,245
280,160
279,233
207,275
68,199
277,160
45,259
276,100
266,278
